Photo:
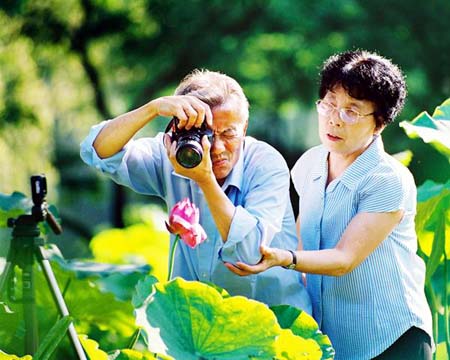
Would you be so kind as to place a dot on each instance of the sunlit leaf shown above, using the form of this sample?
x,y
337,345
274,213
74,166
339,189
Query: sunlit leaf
x,y
303,324
92,349
433,129
128,354
292,347
433,218
404,157
5,356
137,244
190,320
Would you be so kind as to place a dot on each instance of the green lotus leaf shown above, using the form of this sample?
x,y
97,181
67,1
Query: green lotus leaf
x,y
302,324
191,320
433,219
433,129
142,290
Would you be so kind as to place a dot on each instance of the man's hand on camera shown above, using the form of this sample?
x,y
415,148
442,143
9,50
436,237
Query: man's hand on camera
x,y
202,173
189,110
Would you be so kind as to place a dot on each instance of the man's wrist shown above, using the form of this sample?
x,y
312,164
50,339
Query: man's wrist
x,y
293,263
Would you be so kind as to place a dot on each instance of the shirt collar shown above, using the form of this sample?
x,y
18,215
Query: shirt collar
x,y
353,174
367,160
236,175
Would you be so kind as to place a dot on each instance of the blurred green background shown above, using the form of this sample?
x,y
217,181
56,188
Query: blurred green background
x,y
67,64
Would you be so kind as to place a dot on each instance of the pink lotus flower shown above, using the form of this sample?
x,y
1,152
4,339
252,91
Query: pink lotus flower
x,y
184,221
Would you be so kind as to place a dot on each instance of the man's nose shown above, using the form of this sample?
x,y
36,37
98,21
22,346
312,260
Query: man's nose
x,y
217,144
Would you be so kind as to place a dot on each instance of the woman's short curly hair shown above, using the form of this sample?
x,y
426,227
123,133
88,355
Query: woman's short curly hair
x,y
366,76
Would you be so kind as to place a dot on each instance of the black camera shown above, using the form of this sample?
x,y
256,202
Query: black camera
x,y
189,151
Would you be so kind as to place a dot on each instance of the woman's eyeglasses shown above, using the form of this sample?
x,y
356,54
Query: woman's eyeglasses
x,y
347,115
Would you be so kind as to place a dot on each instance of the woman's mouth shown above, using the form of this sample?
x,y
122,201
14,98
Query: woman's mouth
x,y
333,137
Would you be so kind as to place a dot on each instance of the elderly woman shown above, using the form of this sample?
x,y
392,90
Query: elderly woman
x,y
357,240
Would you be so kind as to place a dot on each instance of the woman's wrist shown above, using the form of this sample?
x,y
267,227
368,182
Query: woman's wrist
x,y
289,259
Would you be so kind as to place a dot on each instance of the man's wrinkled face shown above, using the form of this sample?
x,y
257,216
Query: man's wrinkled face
x,y
229,128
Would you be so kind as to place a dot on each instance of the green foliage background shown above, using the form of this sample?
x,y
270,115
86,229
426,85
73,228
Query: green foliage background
x,y
67,64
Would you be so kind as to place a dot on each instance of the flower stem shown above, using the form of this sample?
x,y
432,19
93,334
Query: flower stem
x,y
172,257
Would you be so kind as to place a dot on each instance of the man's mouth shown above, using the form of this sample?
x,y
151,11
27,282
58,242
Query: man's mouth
x,y
218,162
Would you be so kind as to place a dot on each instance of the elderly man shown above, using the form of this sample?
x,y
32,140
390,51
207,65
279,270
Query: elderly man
x,y
241,185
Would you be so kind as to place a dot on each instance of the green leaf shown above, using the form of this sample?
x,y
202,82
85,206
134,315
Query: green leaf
x,y
432,129
304,325
12,206
142,290
5,356
433,204
117,279
53,338
191,320
92,349
128,354
404,157
441,351
438,248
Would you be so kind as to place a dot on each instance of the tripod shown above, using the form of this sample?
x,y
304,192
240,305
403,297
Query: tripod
x,y
26,246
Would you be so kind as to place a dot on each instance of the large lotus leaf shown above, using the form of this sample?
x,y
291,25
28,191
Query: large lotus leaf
x,y
293,347
433,218
191,320
303,324
433,129
117,279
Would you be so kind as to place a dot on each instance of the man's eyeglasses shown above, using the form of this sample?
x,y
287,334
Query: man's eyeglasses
x,y
347,115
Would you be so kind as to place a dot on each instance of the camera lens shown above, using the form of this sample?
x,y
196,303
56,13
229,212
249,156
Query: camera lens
x,y
189,154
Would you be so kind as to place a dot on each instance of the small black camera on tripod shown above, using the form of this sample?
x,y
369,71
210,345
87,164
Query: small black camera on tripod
x,y
27,246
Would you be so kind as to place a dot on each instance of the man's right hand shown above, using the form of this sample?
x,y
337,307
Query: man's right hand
x,y
189,110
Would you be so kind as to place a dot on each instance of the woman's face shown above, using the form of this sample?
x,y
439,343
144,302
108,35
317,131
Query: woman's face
x,y
341,138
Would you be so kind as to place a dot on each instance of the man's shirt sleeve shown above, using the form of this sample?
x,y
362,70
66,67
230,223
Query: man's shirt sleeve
x,y
139,165
264,209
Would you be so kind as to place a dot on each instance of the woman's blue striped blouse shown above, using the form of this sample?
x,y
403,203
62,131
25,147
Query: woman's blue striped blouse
x,y
366,310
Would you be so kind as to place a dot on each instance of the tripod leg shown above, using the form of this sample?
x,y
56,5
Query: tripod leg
x,y
56,292
29,307
4,278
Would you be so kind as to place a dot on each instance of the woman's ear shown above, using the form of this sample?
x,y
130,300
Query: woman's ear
x,y
379,129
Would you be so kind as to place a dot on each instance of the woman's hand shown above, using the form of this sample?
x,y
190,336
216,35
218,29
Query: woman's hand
x,y
270,257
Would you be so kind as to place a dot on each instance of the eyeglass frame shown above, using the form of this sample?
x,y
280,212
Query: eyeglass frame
x,y
339,110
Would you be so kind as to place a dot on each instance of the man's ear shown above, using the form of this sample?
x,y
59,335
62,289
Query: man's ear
x,y
245,127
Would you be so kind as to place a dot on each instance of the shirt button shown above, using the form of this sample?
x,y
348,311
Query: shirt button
x,y
204,275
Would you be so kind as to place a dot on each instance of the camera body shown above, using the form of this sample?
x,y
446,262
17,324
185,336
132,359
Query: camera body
x,y
189,151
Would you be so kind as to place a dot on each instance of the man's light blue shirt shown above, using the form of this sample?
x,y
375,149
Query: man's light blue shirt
x,y
258,186
366,310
